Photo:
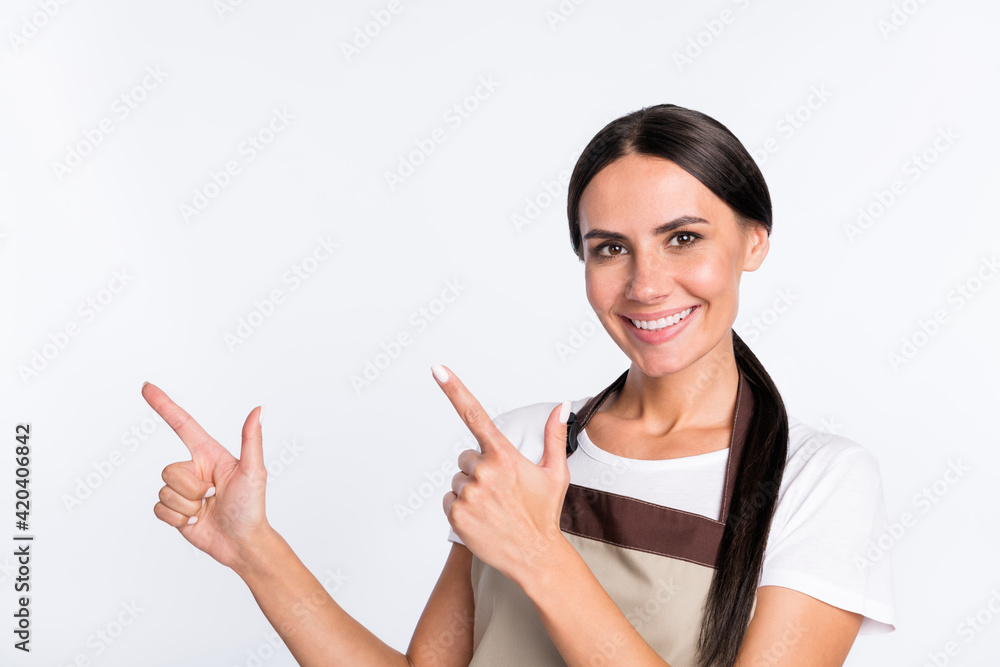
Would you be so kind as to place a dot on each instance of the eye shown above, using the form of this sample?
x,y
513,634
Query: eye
x,y
689,235
612,249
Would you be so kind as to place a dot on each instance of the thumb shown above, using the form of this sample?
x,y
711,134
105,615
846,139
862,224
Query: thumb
x,y
554,456
252,449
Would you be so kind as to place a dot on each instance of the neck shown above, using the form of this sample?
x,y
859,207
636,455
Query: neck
x,y
701,395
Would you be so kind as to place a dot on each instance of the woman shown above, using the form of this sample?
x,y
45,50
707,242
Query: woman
x,y
677,517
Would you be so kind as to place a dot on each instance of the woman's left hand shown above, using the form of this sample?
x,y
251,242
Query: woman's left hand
x,y
505,508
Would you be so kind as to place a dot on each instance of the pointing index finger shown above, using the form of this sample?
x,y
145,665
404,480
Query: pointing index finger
x,y
190,432
468,408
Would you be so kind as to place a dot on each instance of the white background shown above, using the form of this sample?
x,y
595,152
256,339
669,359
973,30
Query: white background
x,y
352,455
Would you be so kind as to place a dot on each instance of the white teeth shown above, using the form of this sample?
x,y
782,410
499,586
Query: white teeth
x,y
653,325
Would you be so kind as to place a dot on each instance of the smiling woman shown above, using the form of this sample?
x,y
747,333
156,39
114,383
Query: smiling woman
x,y
677,517
704,523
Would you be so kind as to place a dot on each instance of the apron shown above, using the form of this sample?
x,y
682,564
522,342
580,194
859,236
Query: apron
x,y
655,562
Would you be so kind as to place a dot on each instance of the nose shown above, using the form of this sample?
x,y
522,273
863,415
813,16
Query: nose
x,y
651,278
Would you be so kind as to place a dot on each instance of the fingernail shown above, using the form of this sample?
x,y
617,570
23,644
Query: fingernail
x,y
564,412
260,415
144,385
210,492
193,519
440,373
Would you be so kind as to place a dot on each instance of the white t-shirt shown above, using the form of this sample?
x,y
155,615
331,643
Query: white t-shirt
x,y
831,507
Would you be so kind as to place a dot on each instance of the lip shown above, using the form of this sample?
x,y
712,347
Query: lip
x,y
663,335
649,317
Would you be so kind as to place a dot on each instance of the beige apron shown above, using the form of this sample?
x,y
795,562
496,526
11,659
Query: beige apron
x,y
655,562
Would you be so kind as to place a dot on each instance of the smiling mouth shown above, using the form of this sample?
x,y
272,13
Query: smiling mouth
x,y
663,322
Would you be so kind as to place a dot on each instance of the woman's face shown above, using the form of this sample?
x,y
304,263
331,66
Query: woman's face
x,y
658,244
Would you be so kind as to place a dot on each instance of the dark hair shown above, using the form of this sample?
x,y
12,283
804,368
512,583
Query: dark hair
x,y
707,150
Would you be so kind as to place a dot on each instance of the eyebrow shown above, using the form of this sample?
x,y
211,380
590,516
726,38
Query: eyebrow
x,y
662,229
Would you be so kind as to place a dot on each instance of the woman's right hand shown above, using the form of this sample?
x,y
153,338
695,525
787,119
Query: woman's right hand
x,y
224,524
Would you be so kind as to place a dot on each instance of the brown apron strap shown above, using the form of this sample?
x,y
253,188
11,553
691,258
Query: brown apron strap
x,y
737,442
741,423
578,422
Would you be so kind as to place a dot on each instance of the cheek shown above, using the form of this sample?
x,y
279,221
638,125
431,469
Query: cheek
x,y
711,278
597,289
603,292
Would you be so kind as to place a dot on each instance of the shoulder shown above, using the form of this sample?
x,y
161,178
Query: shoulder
x,y
815,455
830,511
830,483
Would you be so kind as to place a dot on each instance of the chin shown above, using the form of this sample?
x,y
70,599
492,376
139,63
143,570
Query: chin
x,y
658,367
660,361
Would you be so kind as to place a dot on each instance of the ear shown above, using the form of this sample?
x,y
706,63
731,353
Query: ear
x,y
757,244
